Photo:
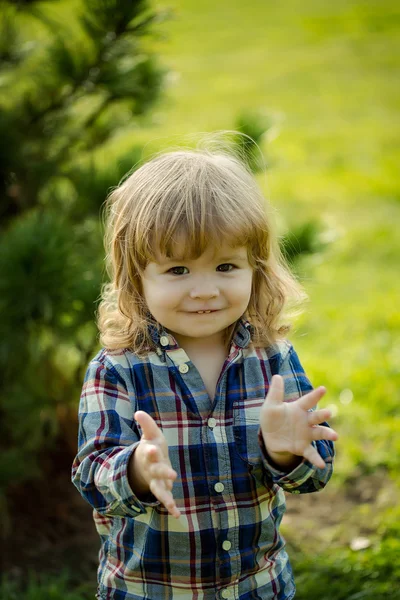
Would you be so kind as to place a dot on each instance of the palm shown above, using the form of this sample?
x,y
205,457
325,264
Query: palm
x,y
156,467
290,427
286,427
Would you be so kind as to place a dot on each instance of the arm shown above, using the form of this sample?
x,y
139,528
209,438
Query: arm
x,y
116,470
297,450
107,438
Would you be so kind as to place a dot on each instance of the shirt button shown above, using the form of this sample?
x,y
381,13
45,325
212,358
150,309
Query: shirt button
x,y
211,422
183,368
226,545
219,487
226,593
164,341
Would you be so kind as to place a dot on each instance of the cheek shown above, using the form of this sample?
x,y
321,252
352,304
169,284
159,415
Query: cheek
x,y
240,293
160,296
150,295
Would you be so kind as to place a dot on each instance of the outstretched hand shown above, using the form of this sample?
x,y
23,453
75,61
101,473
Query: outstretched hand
x,y
151,467
289,428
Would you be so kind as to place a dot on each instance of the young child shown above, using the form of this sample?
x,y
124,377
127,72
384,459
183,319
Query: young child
x,y
197,413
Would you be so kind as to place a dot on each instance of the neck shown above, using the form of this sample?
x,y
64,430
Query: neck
x,y
214,343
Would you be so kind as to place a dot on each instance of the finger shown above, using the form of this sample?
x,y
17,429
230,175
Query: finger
x,y
276,392
150,429
319,416
312,398
162,471
319,432
312,455
172,508
165,497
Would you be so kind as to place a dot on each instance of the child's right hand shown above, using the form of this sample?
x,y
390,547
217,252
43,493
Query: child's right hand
x,y
150,467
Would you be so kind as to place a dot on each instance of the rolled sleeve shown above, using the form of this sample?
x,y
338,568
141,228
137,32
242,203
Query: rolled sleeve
x,y
108,436
304,478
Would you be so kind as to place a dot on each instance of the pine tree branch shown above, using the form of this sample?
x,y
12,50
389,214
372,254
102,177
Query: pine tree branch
x,y
68,148
92,72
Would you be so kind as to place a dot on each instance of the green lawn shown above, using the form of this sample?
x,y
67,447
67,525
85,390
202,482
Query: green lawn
x,y
327,76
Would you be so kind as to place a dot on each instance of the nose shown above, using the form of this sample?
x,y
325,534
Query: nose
x,y
204,289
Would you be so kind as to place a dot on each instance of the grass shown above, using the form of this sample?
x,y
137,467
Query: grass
x,y
45,588
326,74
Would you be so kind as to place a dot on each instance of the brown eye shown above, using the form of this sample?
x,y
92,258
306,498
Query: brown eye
x,y
225,267
178,270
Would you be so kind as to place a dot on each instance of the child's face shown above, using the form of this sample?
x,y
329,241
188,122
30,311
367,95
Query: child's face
x,y
198,299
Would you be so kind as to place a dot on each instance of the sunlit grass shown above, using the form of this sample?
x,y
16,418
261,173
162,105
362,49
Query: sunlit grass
x,y
327,74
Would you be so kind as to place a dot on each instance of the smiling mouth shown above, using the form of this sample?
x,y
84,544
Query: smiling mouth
x,y
202,312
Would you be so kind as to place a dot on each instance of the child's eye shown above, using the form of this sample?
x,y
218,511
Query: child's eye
x,y
225,267
178,270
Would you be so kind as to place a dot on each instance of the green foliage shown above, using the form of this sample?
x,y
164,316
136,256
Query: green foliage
x,y
72,77
49,282
302,239
253,126
11,48
326,75
44,588
69,84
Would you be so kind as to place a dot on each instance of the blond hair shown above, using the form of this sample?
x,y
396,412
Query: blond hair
x,y
191,199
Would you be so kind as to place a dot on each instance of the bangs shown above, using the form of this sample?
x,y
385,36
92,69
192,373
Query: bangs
x,y
189,234
186,203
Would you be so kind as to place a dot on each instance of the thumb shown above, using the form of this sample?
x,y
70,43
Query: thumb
x,y
276,392
149,427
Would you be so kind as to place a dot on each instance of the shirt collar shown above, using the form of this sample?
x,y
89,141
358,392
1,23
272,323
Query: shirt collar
x,y
166,341
242,333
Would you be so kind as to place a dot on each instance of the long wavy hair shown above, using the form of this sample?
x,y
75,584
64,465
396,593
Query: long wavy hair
x,y
190,200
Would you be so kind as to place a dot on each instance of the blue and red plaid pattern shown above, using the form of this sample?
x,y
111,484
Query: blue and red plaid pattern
x,y
226,544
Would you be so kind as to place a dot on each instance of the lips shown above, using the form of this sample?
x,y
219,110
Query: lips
x,y
202,312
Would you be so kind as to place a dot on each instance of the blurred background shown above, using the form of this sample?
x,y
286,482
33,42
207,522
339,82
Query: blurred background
x,y
90,87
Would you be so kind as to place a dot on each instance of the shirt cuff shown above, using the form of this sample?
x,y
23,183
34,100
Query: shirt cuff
x,y
291,480
119,486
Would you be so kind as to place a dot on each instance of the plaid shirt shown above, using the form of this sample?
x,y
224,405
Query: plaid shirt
x,y
226,544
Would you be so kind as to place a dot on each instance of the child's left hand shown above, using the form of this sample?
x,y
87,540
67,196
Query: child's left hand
x,y
288,428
